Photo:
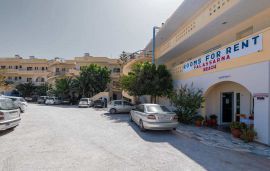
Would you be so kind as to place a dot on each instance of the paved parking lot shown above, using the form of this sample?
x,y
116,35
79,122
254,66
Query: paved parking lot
x,y
71,138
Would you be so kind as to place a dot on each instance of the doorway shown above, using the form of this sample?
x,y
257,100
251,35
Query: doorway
x,y
227,107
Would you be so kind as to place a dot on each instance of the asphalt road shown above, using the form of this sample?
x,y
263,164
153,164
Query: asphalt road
x,y
71,138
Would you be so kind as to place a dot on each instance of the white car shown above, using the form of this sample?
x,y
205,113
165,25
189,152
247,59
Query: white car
x,y
120,106
85,102
52,101
9,114
19,101
154,117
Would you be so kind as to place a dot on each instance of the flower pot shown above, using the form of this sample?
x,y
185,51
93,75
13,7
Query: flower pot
x,y
209,123
214,122
236,132
198,123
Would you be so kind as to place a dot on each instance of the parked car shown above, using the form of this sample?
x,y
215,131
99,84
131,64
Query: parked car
x,y
98,103
9,114
85,102
120,106
18,101
66,102
53,101
29,99
154,117
42,99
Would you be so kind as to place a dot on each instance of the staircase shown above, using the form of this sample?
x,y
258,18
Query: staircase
x,y
101,95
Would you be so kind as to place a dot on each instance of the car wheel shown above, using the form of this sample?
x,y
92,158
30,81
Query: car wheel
x,y
112,111
141,126
21,110
130,118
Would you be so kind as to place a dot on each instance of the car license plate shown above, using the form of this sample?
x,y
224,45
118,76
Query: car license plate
x,y
164,117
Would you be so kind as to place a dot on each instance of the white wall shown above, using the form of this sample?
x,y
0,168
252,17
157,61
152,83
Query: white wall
x,y
255,78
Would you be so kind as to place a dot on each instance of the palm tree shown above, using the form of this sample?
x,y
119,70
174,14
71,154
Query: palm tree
x,y
26,89
63,86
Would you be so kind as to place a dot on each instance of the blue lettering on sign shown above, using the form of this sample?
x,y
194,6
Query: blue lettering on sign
x,y
241,48
255,39
236,47
245,44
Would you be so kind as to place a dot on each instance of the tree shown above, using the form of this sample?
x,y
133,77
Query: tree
x,y
26,89
4,85
63,86
147,79
41,90
92,80
187,101
123,59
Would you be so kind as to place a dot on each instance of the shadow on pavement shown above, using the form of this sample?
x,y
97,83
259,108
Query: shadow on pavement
x,y
210,158
2,133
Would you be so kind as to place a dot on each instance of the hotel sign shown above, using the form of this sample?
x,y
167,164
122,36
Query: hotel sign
x,y
209,61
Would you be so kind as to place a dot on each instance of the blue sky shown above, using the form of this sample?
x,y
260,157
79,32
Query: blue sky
x,y
68,28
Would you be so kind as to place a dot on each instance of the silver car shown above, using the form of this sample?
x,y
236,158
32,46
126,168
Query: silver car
x,y
85,102
9,114
154,117
19,101
52,101
120,106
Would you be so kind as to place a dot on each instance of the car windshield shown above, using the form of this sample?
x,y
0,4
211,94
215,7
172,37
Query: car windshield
x,y
22,100
84,100
50,98
157,108
7,104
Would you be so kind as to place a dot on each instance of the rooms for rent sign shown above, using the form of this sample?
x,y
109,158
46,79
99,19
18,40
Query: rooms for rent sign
x,y
209,61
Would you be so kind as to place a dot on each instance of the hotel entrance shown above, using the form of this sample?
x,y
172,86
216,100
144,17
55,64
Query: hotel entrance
x,y
227,107
227,100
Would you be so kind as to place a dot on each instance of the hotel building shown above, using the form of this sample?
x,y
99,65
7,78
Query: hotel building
x,y
39,71
223,48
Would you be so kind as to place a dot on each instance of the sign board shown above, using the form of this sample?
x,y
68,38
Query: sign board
x,y
209,61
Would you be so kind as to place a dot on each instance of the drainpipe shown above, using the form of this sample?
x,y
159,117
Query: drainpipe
x,y
154,43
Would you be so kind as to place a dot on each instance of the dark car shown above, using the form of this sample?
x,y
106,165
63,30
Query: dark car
x,y
66,102
98,103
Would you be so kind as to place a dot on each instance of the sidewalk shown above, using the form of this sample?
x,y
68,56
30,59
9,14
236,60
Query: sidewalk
x,y
216,138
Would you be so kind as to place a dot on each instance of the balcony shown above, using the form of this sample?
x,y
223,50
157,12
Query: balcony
x,y
24,71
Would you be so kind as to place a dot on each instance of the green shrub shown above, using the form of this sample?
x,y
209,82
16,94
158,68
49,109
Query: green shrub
x,y
187,101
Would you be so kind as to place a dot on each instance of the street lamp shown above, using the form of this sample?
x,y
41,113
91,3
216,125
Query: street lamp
x,y
154,43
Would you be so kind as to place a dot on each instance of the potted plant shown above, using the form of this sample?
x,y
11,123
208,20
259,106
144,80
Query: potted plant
x,y
213,120
198,119
235,129
248,134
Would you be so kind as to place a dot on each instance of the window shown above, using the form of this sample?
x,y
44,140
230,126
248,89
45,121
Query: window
x,y
20,66
36,68
42,68
29,80
20,78
16,67
57,70
63,69
238,102
3,67
116,70
42,79
10,67
140,108
29,68
16,78
117,103
46,68
127,103
9,78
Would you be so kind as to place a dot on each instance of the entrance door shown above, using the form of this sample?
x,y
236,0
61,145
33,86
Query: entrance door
x,y
227,107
